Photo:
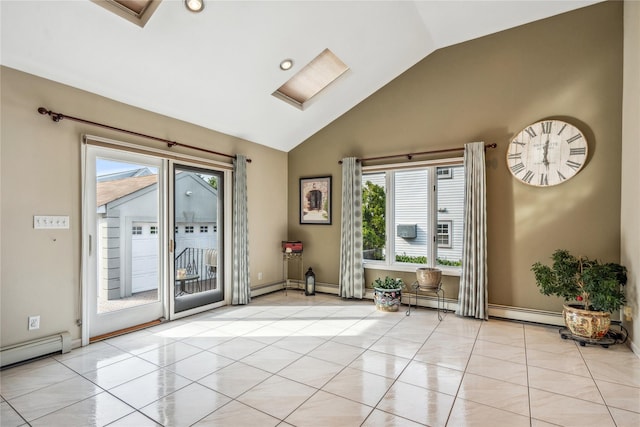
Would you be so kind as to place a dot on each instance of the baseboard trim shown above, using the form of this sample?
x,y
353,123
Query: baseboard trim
x,y
38,347
526,315
634,348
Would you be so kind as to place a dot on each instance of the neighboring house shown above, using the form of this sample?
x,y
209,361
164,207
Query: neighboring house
x,y
128,228
412,207
125,174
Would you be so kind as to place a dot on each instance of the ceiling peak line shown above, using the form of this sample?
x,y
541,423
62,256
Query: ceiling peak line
x,y
57,117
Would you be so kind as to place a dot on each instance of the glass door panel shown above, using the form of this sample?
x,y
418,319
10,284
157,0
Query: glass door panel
x,y
198,231
122,222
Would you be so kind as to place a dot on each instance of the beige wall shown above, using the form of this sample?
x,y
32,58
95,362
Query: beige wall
x,y
630,244
40,175
567,67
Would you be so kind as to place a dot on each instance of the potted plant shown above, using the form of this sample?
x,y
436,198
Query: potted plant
x,y
592,290
387,293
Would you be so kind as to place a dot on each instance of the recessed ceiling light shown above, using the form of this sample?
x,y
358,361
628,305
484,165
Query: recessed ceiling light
x,y
286,64
194,5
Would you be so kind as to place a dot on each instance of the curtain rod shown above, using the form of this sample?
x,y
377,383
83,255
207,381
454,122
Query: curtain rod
x,y
409,156
56,117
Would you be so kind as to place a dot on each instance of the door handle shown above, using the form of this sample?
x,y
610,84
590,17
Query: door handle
x,y
170,246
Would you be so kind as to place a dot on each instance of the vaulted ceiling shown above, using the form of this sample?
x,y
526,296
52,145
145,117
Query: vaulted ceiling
x,y
219,68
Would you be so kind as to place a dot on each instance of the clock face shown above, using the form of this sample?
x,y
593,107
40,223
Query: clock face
x,y
547,153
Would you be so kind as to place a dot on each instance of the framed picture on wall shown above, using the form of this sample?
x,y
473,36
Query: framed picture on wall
x,y
315,200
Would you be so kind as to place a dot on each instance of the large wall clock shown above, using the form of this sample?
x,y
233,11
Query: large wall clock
x,y
547,153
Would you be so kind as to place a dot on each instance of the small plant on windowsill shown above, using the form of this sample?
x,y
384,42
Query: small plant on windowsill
x,y
387,293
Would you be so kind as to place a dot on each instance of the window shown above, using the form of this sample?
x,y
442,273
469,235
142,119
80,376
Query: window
x,y
153,229
444,173
444,234
397,195
188,229
176,232
204,229
136,230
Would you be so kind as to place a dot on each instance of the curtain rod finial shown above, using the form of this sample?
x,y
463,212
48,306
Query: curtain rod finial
x,y
56,117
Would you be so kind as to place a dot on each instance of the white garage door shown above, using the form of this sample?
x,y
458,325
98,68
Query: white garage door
x,y
144,257
195,235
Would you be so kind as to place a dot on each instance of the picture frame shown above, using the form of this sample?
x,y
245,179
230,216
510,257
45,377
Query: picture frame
x,y
315,200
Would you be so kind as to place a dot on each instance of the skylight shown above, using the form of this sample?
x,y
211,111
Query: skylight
x,y
136,11
312,79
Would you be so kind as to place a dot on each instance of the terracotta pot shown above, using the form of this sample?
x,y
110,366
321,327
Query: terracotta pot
x,y
387,299
428,278
586,323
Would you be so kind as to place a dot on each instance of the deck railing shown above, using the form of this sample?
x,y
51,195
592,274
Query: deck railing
x,y
201,263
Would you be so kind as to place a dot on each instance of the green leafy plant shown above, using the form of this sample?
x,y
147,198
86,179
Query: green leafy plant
x,y
388,283
373,219
451,263
413,259
595,285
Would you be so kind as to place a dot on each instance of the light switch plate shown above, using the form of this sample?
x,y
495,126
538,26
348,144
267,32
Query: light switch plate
x,y
50,221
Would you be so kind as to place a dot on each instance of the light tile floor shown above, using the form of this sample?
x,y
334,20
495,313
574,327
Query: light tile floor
x,y
291,360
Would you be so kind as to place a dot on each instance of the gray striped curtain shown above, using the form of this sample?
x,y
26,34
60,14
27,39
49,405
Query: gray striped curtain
x,y
351,284
473,294
241,283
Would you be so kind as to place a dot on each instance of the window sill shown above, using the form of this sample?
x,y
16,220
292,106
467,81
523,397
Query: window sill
x,y
446,271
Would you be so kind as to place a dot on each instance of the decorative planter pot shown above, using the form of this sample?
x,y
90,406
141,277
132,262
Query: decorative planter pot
x,y
387,299
428,278
586,323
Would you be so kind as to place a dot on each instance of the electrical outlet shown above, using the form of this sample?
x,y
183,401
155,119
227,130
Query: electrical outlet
x,y
34,322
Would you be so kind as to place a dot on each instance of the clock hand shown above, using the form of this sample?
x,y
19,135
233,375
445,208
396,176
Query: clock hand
x,y
545,160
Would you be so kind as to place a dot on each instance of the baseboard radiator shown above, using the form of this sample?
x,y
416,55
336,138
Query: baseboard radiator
x,y
35,348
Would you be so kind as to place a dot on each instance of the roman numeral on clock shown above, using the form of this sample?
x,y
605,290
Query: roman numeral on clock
x,y
518,143
577,151
544,179
574,138
562,177
562,128
514,156
516,169
528,177
532,133
573,165
546,127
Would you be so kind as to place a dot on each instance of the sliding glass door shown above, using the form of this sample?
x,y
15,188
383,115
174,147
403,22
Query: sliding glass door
x,y
122,240
198,207
153,238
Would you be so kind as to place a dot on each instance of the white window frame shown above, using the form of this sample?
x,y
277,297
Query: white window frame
x,y
446,174
390,264
449,233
